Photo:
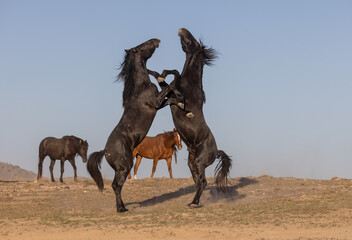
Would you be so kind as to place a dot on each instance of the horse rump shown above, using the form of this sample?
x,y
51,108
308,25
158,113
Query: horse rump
x,y
93,165
222,171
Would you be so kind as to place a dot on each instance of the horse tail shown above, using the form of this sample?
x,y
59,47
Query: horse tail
x,y
41,158
222,170
174,149
93,165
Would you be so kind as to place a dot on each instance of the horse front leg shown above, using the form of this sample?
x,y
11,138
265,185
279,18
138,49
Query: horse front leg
x,y
162,83
72,161
168,160
155,163
51,168
178,100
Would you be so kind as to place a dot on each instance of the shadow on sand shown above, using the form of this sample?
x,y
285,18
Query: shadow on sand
x,y
210,194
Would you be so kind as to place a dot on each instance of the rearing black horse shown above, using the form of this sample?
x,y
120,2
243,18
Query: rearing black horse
x,y
195,131
141,100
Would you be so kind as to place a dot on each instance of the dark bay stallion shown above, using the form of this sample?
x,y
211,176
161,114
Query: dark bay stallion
x,y
141,100
195,131
65,148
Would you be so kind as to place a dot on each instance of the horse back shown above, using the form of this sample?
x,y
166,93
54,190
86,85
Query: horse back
x,y
57,148
153,147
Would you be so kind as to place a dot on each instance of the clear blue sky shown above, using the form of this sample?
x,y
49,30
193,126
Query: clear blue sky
x,y
278,98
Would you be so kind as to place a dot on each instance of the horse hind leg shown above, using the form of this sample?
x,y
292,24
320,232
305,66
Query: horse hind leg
x,y
201,183
117,184
136,166
198,174
40,166
121,171
62,168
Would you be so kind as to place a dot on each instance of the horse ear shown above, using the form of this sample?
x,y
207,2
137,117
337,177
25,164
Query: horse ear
x,y
127,51
80,141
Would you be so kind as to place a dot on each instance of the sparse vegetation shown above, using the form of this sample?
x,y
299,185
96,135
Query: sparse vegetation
x,y
157,204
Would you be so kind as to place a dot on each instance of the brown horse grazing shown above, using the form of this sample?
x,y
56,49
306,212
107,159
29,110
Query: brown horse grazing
x,y
162,146
65,148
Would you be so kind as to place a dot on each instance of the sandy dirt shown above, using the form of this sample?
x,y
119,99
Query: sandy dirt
x,y
254,208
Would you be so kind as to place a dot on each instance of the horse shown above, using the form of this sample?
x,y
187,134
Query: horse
x,y
65,148
195,132
141,100
162,146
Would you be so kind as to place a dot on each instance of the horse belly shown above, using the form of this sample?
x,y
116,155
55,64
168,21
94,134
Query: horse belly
x,y
166,154
148,152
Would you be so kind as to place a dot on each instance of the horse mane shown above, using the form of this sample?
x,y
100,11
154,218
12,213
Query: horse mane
x,y
210,54
126,76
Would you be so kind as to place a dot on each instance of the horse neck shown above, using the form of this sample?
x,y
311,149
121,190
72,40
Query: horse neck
x,y
76,144
169,141
138,77
140,73
193,69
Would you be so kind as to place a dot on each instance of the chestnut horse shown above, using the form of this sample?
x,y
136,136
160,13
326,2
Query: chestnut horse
x,y
162,146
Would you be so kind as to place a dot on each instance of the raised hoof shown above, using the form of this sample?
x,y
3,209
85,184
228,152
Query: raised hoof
x,y
160,79
190,115
181,105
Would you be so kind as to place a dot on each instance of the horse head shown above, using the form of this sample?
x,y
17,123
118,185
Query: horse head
x,y
136,58
83,149
177,139
191,46
144,50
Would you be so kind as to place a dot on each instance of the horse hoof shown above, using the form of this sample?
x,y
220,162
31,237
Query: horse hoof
x,y
160,79
193,205
190,115
181,105
122,210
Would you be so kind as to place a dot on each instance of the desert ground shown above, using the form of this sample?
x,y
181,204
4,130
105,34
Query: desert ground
x,y
254,208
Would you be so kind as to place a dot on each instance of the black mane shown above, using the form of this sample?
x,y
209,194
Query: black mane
x,y
126,76
209,54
